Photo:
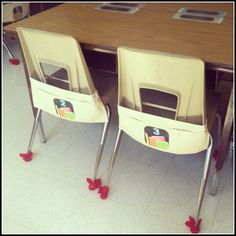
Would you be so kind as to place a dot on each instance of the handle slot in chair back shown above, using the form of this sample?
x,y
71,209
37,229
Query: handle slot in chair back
x,y
158,102
56,76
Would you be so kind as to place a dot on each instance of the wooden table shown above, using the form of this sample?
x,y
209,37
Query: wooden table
x,y
152,27
149,29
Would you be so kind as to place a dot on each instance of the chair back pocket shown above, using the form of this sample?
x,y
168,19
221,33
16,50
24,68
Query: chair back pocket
x,y
67,104
164,134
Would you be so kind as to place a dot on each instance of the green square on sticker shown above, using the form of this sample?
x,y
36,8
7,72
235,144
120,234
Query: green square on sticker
x,y
162,145
69,115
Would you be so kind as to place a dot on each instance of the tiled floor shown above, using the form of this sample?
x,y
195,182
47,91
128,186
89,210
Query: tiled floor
x,y
152,192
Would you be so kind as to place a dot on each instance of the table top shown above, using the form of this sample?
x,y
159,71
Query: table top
x,y
152,27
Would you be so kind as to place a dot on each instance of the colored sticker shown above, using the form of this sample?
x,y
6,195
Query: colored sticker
x,y
17,12
64,109
156,137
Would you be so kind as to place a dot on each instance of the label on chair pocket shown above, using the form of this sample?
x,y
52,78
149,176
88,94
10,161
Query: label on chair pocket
x,y
156,137
17,12
64,109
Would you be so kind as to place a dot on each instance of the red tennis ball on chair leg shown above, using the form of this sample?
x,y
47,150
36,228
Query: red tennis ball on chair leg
x,y
14,61
26,156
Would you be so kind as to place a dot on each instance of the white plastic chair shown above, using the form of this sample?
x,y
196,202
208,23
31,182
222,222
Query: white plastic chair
x,y
69,93
162,104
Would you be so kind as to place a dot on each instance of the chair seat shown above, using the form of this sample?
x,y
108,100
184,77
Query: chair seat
x,y
105,83
212,102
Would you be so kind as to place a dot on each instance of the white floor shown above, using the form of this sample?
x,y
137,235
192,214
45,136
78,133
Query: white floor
x,y
151,192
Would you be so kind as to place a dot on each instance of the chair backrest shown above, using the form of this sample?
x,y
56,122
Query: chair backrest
x,y
180,76
62,51
43,49
15,11
162,93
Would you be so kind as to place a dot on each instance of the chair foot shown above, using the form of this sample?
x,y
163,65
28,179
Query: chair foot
x,y
26,156
103,191
193,226
94,184
14,61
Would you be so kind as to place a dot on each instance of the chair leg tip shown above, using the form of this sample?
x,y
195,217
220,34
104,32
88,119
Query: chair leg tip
x,y
194,226
93,184
26,156
14,61
103,191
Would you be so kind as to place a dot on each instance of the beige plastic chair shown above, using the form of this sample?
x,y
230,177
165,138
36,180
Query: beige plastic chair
x,y
161,104
69,93
14,12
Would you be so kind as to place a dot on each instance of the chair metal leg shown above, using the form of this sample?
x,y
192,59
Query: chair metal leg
x,y
12,59
102,142
35,127
216,177
8,50
114,155
217,79
215,182
194,224
103,191
219,127
204,179
96,183
41,130
28,155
